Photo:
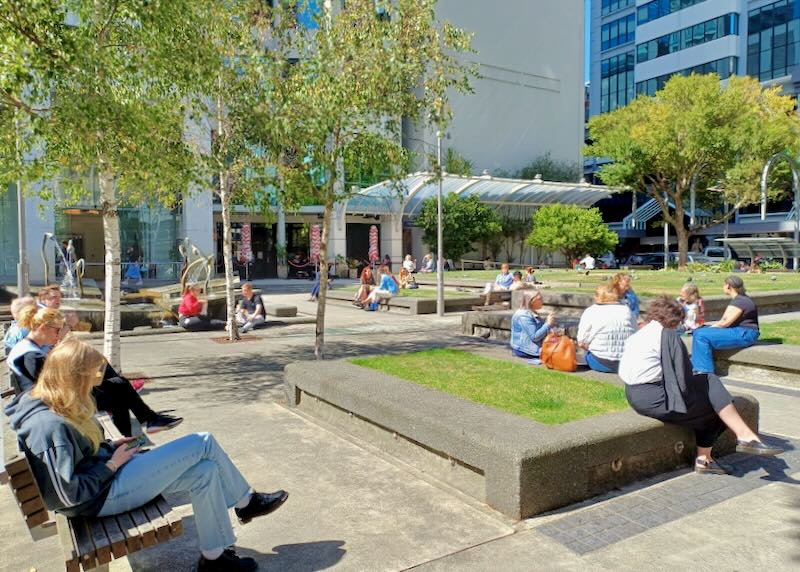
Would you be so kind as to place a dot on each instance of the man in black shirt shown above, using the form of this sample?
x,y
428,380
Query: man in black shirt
x,y
251,312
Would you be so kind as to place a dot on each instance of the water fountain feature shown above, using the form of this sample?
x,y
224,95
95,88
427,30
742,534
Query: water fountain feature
x,y
72,280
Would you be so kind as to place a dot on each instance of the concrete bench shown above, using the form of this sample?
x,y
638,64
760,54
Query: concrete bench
x,y
515,465
87,543
280,310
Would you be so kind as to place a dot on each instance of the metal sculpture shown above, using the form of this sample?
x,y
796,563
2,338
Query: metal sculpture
x,y
197,267
72,282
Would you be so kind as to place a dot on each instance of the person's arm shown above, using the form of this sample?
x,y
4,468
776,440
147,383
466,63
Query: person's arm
x,y
585,329
540,329
73,484
259,311
732,313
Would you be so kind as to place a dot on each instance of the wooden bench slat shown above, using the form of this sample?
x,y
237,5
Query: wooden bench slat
x,y
83,542
65,537
18,464
21,479
173,518
132,538
37,518
32,506
27,493
160,524
145,527
102,545
115,536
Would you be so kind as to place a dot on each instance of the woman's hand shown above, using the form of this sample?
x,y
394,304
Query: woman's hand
x,y
122,441
551,320
122,455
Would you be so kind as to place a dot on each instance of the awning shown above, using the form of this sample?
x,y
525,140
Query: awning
x,y
765,247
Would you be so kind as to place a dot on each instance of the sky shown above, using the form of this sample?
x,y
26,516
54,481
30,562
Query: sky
x,y
587,21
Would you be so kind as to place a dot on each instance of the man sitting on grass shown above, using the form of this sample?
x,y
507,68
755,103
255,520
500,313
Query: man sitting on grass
x,y
250,313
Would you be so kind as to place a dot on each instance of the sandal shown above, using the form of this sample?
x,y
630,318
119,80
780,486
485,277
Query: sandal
x,y
704,467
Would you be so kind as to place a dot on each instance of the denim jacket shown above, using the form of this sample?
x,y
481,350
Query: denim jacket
x,y
527,332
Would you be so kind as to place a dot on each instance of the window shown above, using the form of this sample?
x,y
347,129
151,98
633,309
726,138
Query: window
x,y
660,8
773,39
724,68
688,37
617,87
618,32
610,6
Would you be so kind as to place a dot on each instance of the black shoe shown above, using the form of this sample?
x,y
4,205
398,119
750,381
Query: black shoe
x,y
757,448
261,504
711,468
161,423
228,562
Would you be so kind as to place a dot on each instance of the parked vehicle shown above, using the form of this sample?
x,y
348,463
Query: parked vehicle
x,y
713,255
608,260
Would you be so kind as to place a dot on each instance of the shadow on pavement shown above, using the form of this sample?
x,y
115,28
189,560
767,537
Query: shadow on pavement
x,y
304,556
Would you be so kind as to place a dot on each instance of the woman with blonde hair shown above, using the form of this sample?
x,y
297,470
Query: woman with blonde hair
x,y
80,474
115,394
603,329
14,333
528,329
622,284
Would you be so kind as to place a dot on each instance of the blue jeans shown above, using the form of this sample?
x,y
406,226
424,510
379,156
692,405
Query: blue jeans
x,y
596,364
706,340
520,353
194,463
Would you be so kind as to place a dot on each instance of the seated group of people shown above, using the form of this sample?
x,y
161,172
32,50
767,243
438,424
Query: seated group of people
x,y
61,382
506,281
368,295
661,380
193,311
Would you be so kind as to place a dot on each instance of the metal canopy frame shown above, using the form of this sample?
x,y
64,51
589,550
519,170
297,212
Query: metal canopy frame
x,y
784,248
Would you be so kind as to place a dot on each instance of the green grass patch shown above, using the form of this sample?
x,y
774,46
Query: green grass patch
x,y
786,332
545,396
646,282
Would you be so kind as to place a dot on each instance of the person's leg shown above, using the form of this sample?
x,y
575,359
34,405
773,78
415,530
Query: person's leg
x,y
521,354
193,324
258,321
194,463
706,340
117,396
596,365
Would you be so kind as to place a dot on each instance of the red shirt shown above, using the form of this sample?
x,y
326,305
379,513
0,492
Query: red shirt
x,y
190,306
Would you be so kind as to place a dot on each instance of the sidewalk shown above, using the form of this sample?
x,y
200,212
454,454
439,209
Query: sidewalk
x,y
351,508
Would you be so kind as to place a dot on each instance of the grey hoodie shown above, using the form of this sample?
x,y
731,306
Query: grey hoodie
x,y
73,479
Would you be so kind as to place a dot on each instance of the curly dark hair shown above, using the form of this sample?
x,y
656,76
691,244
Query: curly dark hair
x,y
668,312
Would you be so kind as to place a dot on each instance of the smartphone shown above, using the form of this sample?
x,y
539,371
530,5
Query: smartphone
x,y
138,442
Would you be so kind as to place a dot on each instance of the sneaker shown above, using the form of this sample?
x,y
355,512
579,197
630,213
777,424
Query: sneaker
x,y
704,467
261,504
757,448
228,562
137,384
162,423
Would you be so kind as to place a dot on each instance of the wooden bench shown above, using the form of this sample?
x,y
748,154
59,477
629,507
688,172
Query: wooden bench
x,y
87,543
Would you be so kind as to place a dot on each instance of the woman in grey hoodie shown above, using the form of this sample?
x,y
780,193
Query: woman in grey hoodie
x,y
79,473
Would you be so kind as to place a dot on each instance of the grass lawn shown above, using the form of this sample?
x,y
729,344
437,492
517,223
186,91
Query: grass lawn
x,y
421,292
787,332
646,282
537,393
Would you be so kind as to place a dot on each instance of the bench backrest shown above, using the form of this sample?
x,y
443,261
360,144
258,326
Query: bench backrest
x,y
26,491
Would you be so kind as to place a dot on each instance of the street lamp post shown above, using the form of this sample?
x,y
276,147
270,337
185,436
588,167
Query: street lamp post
x,y
439,248
23,284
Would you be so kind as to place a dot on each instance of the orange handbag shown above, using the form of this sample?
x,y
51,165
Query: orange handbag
x,y
559,352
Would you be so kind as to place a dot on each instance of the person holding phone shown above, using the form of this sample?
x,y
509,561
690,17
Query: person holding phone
x,y
528,329
80,474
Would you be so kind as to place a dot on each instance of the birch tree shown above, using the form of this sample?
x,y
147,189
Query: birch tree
x,y
355,72
101,85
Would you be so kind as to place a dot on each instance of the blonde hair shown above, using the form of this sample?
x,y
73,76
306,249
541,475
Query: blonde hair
x,y
691,290
48,291
616,282
18,304
606,294
32,317
66,382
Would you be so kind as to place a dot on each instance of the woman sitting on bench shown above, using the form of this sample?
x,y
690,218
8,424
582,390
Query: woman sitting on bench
x,y
79,474
192,312
115,394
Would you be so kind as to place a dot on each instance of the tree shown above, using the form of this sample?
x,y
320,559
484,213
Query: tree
x,y
514,231
571,230
550,169
100,85
456,164
696,134
465,220
357,71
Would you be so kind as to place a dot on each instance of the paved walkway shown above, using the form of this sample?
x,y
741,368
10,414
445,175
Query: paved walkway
x,y
352,508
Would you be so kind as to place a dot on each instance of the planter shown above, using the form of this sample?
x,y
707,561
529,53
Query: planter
x,y
342,270
353,274
283,271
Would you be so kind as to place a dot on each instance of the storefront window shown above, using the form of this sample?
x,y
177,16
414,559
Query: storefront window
x,y
9,245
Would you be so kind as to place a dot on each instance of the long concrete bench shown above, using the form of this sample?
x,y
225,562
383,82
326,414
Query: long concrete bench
x,y
515,465
413,306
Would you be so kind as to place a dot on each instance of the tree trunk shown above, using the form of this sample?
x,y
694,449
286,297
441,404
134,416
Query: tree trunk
x,y
112,265
227,257
319,335
681,233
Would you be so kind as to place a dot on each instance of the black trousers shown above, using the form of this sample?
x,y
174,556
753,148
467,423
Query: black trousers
x,y
117,396
705,398
200,324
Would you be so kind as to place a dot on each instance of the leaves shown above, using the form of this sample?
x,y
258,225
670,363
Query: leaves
x,y
572,230
465,220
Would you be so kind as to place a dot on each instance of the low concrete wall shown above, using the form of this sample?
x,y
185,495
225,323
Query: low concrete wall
x,y
412,306
516,466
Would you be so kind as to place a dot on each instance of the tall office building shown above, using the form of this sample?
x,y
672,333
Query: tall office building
x,y
638,45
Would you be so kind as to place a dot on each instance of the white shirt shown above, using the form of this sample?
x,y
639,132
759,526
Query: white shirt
x,y
409,265
588,262
641,360
605,328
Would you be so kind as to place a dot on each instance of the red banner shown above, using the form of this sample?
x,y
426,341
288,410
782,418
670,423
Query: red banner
x,y
316,240
374,252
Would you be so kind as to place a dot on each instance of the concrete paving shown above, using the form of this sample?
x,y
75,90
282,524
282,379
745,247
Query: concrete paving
x,y
353,508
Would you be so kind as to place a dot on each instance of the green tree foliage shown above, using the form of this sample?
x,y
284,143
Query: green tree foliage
x,y
456,164
359,72
696,133
514,232
370,159
571,230
100,85
465,220
550,170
